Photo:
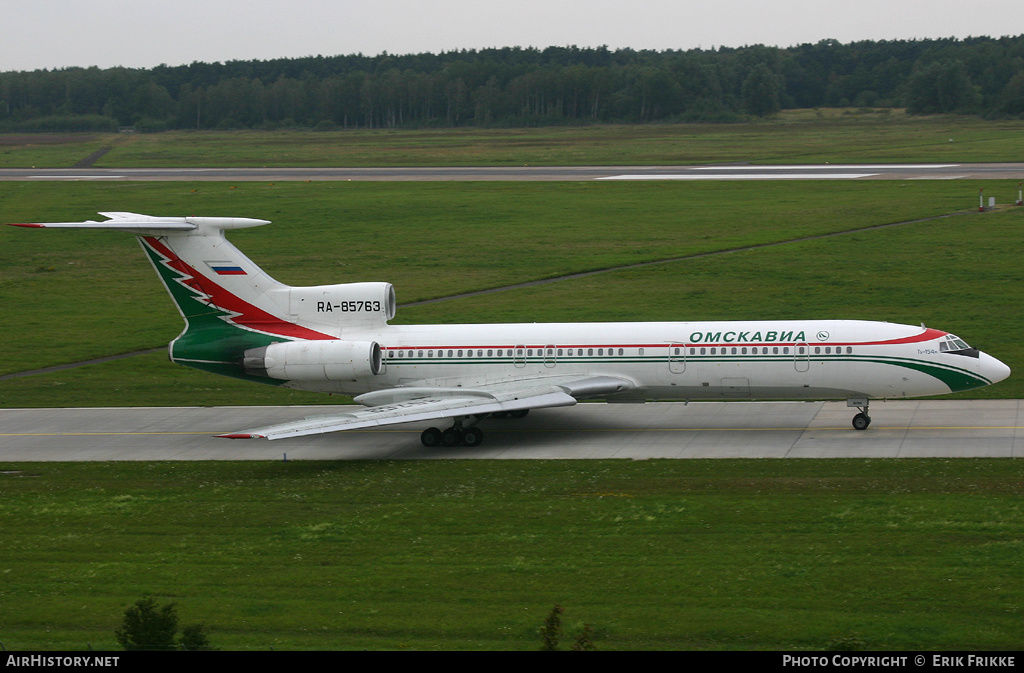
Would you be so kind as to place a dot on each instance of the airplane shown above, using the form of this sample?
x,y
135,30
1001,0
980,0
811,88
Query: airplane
x,y
336,339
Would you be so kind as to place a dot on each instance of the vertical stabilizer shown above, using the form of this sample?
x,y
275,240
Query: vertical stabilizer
x,y
229,304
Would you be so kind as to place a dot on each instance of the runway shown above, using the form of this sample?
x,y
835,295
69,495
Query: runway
x,y
742,171
900,429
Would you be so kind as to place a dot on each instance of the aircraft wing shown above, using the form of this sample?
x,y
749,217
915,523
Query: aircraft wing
x,y
409,404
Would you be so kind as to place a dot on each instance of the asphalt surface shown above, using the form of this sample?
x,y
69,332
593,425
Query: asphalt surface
x,y
899,429
992,171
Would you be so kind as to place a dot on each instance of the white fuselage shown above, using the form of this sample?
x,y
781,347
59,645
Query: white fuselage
x,y
826,359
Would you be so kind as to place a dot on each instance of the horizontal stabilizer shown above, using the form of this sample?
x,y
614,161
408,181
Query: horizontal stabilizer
x,y
131,227
148,225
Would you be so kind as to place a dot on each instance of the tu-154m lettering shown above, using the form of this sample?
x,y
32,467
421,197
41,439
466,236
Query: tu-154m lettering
x,y
337,339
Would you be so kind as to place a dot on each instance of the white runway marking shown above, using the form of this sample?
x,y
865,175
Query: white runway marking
x,y
744,176
76,177
815,167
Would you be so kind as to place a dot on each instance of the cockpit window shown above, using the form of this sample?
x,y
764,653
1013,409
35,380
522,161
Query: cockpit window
x,y
954,344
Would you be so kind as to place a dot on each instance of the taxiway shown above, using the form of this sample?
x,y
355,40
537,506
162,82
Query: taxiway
x,y
900,429
740,171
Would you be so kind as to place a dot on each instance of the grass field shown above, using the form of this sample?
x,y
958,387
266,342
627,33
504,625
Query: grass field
x,y
717,555
439,239
463,555
803,136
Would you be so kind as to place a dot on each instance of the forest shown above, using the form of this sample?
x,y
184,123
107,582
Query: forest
x,y
516,86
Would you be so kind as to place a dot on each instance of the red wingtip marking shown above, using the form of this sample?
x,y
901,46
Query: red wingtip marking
x,y
33,226
240,435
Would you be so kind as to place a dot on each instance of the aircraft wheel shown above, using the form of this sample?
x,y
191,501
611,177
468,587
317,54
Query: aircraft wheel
x,y
451,437
861,422
520,413
430,437
472,437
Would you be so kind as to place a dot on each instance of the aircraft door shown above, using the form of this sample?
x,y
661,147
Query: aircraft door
x,y
519,360
677,358
736,387
550,359
802,357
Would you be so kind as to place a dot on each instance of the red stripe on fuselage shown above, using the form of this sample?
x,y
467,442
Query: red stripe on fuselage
x,y
928,335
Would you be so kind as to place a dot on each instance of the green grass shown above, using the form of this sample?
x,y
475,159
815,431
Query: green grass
x,y
777,555
50,150
773,555
70,296
793,136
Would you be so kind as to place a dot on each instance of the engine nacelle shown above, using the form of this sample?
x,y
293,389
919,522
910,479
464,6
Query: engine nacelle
x,y
328,360
345,304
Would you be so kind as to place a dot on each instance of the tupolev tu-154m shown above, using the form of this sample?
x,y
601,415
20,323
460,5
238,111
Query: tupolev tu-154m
x,y
242,323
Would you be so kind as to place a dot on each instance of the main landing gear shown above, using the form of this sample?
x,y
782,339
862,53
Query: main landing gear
x,y
457,435
453,436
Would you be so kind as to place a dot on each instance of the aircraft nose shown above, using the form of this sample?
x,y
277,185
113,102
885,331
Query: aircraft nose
x,y
994,369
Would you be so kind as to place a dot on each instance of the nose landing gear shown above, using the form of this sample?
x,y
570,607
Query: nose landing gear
x,y
861,421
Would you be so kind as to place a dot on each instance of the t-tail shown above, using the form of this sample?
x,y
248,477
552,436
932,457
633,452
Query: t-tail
x,y
233,310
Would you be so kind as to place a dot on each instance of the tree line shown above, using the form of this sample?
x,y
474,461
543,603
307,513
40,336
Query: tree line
x,y
516,86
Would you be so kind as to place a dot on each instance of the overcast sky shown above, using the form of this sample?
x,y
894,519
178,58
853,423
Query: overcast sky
x,y
143,33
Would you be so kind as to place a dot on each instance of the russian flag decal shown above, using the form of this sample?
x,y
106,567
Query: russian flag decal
x,y
226,268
